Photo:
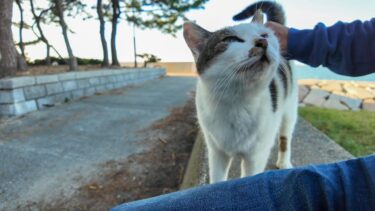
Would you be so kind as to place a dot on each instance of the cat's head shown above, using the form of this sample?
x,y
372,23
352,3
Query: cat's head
x,y
247,52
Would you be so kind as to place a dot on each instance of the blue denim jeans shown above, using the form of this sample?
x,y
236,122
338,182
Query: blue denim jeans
x,y
348,185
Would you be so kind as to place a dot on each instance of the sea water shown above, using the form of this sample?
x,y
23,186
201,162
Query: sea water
x,y
307,72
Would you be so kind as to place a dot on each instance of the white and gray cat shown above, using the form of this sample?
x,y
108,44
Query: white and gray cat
x,y
246,95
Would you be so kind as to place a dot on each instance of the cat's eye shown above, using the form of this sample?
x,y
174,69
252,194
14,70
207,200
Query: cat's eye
x,y
232,39
264,35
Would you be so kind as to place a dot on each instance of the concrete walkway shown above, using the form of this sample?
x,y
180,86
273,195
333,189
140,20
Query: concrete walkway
x,y
51,152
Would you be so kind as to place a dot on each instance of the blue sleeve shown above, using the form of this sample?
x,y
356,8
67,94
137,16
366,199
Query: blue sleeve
x,y
345,48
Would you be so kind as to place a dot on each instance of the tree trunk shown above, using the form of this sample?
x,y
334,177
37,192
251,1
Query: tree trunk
x,y
115,17
99,9
41,34
10,60
22,23
48,55
60,13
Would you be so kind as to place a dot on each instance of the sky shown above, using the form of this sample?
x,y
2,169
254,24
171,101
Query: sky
x,y
85,40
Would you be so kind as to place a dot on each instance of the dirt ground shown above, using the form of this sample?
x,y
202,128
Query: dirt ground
x,y
157,171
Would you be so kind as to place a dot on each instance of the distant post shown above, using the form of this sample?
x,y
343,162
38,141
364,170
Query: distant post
x,y
134,45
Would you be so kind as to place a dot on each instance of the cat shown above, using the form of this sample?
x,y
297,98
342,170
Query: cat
x,y
246,95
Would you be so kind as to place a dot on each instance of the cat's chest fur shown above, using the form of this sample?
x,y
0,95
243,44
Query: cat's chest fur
x,y
237,125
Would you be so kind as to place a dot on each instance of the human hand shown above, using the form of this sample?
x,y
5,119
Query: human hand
x,y
281,32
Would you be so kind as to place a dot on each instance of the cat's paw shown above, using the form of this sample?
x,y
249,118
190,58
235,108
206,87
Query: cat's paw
x,y
284,164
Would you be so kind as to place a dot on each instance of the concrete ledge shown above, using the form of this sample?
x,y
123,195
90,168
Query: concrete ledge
x,y
309,146
21,95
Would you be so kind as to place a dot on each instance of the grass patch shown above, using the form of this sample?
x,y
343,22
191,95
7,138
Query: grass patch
x,y
353,130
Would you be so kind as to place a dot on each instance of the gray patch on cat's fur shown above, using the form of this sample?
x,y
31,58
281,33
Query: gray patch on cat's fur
x,y
284,78
274,94
285,75
213,47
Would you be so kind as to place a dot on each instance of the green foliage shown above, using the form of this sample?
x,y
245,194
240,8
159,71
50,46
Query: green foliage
x,y
353,130
71,8
81,61
148,58
165,15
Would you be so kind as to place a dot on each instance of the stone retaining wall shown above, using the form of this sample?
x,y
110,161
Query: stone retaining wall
x,y
21,95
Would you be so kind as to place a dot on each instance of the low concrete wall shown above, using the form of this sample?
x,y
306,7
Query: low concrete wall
x,y
21,95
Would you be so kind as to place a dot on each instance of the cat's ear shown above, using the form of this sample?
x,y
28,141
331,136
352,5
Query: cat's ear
x,y
258,17
195,37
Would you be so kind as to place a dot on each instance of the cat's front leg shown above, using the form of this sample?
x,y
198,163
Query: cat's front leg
x,y
254,163
218,164
284,153
285,142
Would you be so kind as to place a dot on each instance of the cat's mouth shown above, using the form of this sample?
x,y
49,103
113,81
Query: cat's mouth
x,y
264,59
260,53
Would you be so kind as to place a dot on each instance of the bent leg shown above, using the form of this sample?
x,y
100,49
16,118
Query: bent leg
x,y
348,185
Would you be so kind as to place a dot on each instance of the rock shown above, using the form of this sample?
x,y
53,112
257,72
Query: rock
x,y
353,104
322,83
371,90
332,87
368,105
348,103
365,94
316,97
369,101
334,102
308,82
302,92
371,85
358,92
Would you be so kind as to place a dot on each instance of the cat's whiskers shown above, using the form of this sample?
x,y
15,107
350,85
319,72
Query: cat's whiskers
x,y
222,81
235,74
224,90
217,96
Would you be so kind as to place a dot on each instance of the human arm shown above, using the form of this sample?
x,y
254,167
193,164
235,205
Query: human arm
x,y
345,48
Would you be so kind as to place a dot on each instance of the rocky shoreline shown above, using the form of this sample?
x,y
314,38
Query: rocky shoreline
x,y
340,95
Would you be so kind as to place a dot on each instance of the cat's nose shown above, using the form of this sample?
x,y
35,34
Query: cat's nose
x,y
261,43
